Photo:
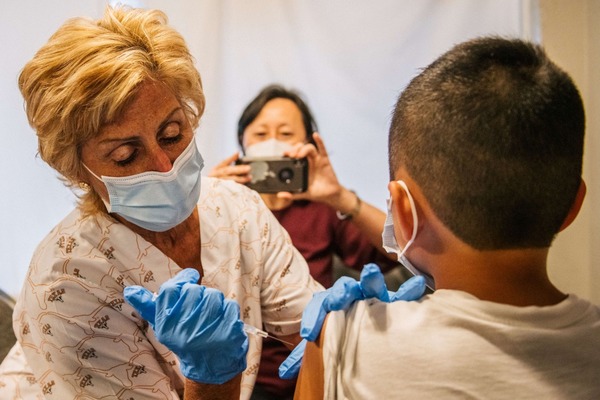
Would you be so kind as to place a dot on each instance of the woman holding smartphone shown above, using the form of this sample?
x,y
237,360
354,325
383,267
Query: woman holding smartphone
x,y
326,222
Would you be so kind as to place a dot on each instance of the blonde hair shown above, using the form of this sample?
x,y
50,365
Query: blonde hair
x,y
87,73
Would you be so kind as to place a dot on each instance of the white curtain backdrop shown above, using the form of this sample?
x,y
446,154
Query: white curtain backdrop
x,y
350,59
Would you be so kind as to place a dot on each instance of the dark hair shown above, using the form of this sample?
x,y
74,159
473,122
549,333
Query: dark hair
x,y
493,133
275,92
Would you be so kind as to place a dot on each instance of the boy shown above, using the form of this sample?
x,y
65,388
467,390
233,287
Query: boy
x,y
485,153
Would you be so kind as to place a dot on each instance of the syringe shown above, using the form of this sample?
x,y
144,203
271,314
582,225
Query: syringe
x,y
259,332
255,331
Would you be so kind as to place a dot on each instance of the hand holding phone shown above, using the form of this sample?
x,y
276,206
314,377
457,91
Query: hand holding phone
x,y
277,174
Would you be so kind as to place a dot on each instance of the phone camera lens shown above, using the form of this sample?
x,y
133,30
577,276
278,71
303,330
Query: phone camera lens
x,y
286,175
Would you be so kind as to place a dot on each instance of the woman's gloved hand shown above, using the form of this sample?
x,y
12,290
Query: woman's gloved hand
x,y
340,296
198,324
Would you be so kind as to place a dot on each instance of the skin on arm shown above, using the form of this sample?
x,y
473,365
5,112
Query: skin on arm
x,y
311,383
229,390
324,187
369,220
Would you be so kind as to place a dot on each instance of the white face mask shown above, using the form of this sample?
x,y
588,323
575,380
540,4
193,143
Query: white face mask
x,y
390,244
157,201
268,148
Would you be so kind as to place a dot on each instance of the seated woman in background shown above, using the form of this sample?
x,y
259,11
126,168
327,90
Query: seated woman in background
x,y
325,222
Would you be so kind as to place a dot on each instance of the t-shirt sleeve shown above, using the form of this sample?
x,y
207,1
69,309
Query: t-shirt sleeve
x,y
332,342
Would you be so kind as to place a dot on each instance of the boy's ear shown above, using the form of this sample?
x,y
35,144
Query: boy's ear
x,y
576,206
403,223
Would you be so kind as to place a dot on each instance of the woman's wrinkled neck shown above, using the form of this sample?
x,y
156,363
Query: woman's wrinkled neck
x,y
169,237
181,244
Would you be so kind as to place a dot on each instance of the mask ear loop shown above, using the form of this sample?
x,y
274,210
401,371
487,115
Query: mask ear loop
x,y
92,172
414,216
428,279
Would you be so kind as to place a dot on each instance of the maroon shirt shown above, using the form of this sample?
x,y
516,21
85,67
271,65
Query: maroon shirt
x,y
318,234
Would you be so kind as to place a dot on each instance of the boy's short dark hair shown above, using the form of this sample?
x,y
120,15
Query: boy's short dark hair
x,y
267,94
493,133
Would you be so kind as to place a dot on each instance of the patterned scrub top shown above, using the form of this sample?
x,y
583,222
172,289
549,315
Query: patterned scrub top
x,y
82,340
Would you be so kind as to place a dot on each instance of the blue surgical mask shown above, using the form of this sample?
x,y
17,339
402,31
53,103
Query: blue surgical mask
x,y
390,244
157,201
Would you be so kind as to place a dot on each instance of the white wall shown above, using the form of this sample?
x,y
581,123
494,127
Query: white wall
x,y
571,36
350,59
32,200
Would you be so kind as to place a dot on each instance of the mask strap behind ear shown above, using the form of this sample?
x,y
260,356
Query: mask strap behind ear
x,y
414,215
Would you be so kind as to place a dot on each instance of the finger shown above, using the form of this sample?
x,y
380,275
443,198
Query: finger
x,y
307,150
373,284
211,303
142,300
232,158
342,294
232,172
170,291
313,316
293,196
231,311
241,169
285,195
320,144
187,275
237,173
294,150
410,290
216,171
290,367
188,306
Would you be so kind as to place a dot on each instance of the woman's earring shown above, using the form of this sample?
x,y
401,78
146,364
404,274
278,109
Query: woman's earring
x,y
84,186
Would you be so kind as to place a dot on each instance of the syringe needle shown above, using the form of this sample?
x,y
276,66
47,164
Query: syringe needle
x,y
259,332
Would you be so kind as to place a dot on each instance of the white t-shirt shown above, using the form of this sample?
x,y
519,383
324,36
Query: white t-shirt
x,y
79,335
452,345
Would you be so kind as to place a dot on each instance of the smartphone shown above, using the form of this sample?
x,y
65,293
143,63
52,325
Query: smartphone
x,y
277,174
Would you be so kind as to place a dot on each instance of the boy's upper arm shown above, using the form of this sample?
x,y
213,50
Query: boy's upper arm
x,y
310,383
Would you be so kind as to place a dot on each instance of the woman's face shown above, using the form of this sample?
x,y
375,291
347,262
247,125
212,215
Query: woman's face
x,y
149,136
279,119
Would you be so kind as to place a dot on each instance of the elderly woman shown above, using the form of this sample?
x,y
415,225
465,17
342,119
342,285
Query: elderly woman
x,y
115,103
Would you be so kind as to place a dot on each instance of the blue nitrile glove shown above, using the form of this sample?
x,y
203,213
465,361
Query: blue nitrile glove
x,y
372,285
340,296
198,324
